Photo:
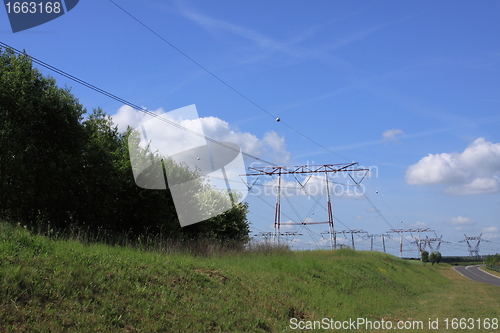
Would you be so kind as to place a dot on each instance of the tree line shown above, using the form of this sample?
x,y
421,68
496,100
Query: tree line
x,y
64,166
433,257
492,260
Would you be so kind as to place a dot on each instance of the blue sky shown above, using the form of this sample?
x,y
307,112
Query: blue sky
x,y
409,89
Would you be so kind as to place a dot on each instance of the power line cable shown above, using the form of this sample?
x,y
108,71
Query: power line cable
x,y
222,81
152,114
376,191
134,106
377,210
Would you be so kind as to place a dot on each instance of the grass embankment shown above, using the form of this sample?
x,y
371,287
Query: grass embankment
x,y
66,286
490,271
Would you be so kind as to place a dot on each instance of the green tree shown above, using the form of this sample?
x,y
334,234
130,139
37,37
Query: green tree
x,y
57,167
230,225
433,258
40,144
424,256
438,257
492,260
101,178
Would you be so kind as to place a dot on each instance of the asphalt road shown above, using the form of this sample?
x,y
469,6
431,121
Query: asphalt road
x,y
475,274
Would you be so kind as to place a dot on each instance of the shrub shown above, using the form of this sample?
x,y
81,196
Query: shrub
x,y
433,258
424,256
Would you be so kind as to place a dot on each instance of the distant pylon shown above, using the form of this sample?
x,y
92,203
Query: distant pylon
x,y
418,241
473,250
429,241
352,232
382,236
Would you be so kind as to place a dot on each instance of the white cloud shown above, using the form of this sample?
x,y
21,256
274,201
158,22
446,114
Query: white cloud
x,y
476,170
392,134
490,233
288,188
358,217
419,224
271,146
127,116
490,229
477,186
460,221
490,236
286,227
269,45
276,146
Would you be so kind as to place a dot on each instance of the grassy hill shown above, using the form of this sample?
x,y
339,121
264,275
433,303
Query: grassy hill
x,y
49,285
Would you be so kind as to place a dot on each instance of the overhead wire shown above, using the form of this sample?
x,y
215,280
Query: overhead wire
x,y
152,114
242,95
377,210
134,106
138,108
223,81
381,198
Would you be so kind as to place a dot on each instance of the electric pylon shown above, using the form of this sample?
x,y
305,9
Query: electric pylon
x,y
418,241
305,169
429,241
382,236
344,232
473,250
266,235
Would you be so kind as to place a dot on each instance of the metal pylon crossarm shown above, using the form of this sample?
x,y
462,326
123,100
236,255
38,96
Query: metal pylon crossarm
x,y
305,169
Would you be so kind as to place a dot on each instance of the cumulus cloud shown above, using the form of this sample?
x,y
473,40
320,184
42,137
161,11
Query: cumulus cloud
x,y
392,134
490,233
127,116
459,222
476,170
272,146
419,224
491,229
286,226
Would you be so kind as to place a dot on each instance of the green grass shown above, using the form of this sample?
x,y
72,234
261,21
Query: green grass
x,y
62,285
492,272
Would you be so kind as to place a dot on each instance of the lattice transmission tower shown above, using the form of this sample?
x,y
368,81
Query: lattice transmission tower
x,y
429,241
345,232
473,249
326,169
418,240
382,236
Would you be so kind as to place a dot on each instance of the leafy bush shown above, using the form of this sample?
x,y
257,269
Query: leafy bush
x,y
438,257
60,169
424,256
492,260
433,258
